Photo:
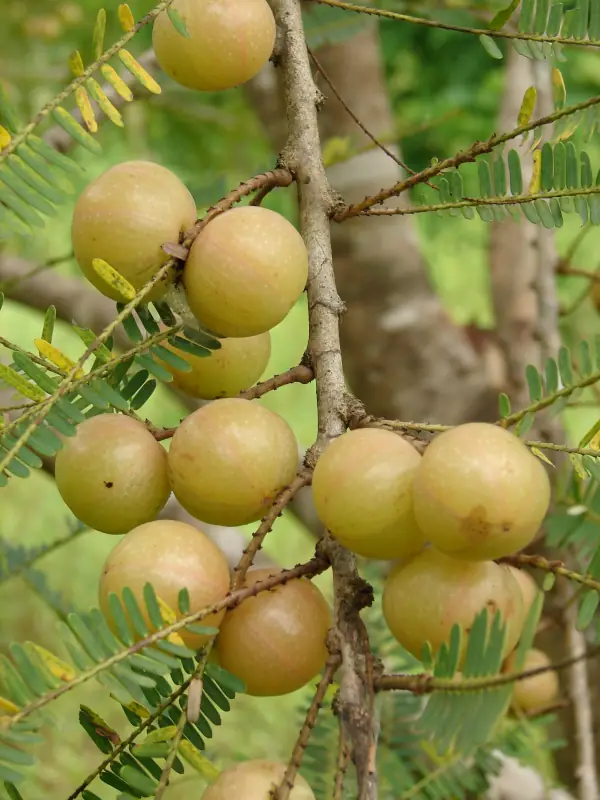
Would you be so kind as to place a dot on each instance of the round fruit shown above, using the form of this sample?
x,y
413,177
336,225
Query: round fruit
x,y
538,691
479,492
253,780
226,372
229,42
362,488
245,271
171,556
528,586
275,642
425,597
230,459
124,216
113,473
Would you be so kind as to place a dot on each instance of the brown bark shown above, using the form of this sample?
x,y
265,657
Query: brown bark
x,y
403,356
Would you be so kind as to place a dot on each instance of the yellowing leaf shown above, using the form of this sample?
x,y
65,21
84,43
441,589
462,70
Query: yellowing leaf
x,y
161,735
8,707
527,106
541,456
126,18
54,355
535,182
169,617
112,77
76,64
110,276
106,106
20,383
99,31
87,112
139,72
576,461
59,668
136,708
199,762
559,90
5,138
569,129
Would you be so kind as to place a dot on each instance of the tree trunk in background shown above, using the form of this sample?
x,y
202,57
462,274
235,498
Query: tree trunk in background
x,y
404,358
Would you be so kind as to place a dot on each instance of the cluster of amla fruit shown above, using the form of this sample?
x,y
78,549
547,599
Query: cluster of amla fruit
x,y
477,494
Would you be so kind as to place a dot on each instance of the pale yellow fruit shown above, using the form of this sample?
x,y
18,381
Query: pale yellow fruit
x,y
425,597
113,473
245,271
236,366
362,488
479,492
528,586
171,556
229,42
275,642
538,691
230,459
123,218
253,780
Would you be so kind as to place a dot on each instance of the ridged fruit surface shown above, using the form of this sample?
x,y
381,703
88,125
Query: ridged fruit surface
x,y
230,459
229,42
171,556
237,366
362,488
113,473
253,780
425,597
275,642
245,271
124,217
479,492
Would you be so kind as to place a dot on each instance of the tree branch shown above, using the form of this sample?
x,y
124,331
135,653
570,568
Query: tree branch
x,y
302,155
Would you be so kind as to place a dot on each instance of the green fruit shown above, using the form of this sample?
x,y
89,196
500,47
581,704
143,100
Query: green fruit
x,y
229,42
253,780
425,597
113,473
230,459
124,217
362,488
479,492
275,642
237,366
171,556
245,271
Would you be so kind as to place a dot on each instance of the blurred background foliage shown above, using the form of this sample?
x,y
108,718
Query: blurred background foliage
x,y
445,91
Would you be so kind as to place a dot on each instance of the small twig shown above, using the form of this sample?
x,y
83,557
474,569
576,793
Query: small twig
x,y
170,760
425,683
300,374
351,114
303,478
463,157
270,179
36,359
175,742
287,783
260,195
343,758
431,23
397,425
131,738
40,552
310,568
580,273
557,567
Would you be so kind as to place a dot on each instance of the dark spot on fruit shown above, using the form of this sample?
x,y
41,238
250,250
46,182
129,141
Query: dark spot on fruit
x,y
109,484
